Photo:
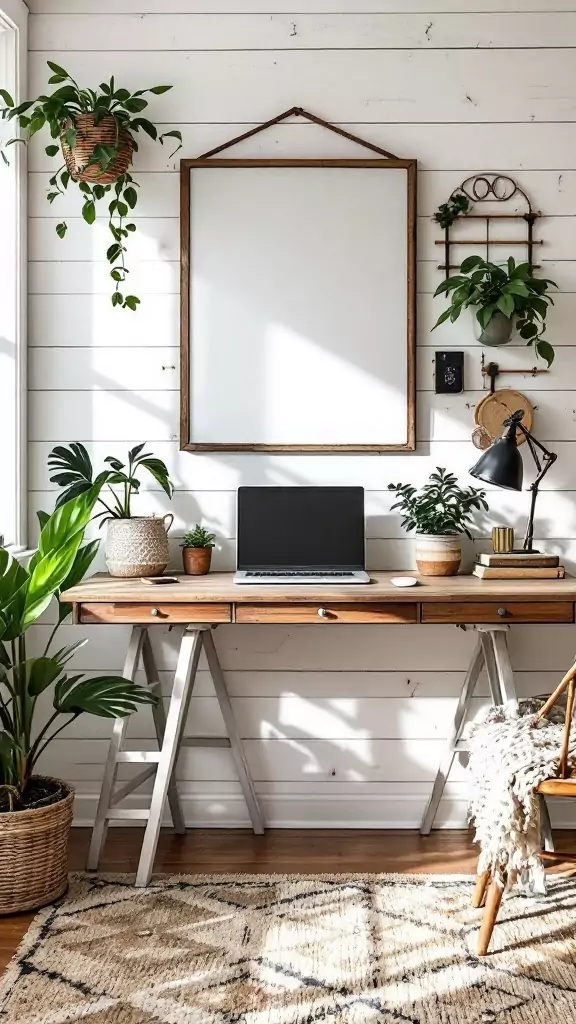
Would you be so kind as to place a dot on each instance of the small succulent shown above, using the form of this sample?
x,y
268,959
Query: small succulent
x,y
198,538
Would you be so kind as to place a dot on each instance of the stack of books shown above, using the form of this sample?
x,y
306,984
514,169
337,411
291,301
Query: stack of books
x,y
518,565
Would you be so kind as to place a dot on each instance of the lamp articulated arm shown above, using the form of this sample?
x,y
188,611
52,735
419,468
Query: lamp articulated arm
x,y
542,467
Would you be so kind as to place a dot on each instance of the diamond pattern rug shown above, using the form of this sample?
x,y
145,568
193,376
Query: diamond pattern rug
x,y
294,949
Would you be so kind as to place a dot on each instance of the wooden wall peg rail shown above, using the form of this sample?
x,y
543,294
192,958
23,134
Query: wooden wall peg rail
x,y
199,605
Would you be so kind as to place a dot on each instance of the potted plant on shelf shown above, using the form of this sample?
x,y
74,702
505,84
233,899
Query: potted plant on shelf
x,y
500,295
197,551
36,811
135,545
439,514
96,131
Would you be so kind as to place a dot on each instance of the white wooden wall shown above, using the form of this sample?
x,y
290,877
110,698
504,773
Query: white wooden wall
x,y
344,727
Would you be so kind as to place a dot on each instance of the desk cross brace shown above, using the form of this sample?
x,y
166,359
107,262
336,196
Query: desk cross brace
x,y
170,736
492,653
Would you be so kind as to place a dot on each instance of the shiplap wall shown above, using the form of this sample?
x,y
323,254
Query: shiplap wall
x,y
345,727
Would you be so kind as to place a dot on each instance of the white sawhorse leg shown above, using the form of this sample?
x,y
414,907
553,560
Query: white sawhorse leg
x,y
169,732
492,652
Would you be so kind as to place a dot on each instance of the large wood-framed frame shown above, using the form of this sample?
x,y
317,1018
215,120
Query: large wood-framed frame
x,y
386,161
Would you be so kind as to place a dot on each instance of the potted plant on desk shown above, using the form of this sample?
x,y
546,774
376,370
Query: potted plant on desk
x,y
439,514
197,551
135,545
36,811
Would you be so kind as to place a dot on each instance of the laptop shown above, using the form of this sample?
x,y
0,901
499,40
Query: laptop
x,y
300,535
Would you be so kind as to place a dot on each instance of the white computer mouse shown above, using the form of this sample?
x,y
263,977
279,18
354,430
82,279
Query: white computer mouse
x,y
404,581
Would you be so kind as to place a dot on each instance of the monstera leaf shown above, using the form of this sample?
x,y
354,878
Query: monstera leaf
x,y
105,696
72,469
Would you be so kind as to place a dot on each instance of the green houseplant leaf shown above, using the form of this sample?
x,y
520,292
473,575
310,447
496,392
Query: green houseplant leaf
x,y
510,289
104,696
61,559
71,468
441,506
58,112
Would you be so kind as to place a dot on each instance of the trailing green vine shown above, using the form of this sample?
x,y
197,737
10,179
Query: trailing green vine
x,y
447,213
74,116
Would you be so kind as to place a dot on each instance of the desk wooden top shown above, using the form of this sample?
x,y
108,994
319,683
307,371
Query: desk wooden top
x,y
218,587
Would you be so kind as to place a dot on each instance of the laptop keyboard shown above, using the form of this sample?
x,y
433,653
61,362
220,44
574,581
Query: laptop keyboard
x,y
302,572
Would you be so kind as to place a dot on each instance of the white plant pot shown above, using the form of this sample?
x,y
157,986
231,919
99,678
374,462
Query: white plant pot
x,y
438,555
139,546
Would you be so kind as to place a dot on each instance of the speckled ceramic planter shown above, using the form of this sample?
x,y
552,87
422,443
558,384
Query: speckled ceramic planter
x,y
438,555
139,546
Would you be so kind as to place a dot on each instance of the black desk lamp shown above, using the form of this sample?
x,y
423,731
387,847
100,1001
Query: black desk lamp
x,y
502,466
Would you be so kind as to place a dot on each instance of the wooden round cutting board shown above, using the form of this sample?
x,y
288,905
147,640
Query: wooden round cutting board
x,y
496,407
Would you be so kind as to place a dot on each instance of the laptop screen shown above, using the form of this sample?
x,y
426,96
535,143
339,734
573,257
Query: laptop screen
x,y
300,528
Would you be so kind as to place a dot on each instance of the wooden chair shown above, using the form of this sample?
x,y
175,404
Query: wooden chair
x,y
488,894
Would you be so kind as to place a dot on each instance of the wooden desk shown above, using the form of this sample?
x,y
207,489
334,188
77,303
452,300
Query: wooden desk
x,y
200,603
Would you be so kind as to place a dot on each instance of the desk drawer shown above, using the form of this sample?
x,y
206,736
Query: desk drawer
x,y
505,611
327,612
154,612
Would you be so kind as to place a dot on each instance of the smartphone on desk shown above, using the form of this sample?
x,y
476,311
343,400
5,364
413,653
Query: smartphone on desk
x,y
159,580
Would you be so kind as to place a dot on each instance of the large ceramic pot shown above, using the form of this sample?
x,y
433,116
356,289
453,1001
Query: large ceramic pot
x,y
34,851
196,561
438,555
138,546
498,332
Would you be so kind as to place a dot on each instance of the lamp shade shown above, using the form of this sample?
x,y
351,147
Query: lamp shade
x,y
501,464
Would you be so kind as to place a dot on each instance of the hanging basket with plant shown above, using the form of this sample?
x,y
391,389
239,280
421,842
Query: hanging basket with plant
x,y
96,132
501,296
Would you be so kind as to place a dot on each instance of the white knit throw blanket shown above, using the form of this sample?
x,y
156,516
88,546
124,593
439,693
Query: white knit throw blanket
x,y
509,757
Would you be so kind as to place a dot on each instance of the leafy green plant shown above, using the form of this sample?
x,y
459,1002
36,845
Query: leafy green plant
x,y
60,562
441,506
448,212
198,538
510,289
59,112
71,468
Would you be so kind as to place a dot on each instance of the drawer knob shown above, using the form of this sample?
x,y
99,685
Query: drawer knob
x,y
502,613
154,611
323,613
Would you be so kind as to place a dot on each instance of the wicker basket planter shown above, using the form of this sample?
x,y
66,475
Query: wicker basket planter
x,y
34,855
89,135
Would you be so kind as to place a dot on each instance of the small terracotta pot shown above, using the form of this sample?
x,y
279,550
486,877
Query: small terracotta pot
x,y
438,555
196,561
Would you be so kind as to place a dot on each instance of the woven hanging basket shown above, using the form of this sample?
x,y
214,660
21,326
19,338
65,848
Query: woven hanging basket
x,y
89,135
34,854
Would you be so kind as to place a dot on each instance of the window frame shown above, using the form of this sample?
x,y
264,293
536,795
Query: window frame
x,y
14,41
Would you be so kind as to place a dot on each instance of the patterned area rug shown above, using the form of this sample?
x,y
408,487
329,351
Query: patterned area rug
x,y
273,949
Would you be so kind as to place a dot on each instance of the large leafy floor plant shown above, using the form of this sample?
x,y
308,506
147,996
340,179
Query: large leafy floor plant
x,y
96,131
61,561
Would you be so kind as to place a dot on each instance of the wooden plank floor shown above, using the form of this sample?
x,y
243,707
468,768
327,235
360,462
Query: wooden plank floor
x,y
280,851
